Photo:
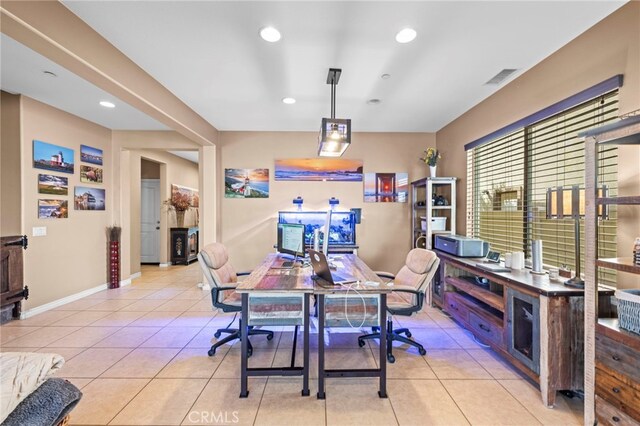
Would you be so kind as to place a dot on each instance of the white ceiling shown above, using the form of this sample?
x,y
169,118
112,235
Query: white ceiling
x,y
210,55
22,72
187,155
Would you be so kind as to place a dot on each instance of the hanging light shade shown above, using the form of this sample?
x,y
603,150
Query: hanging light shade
x,y
335,133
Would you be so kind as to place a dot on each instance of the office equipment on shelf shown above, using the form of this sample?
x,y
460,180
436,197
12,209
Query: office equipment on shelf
x,y
291,241
413,279
535,324
433,202
322,270
612,354
461,246
214,261
493,256
493,267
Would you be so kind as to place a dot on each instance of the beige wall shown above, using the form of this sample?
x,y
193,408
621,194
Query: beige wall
x,y
249,225
10,189
609,48
172,170
72,256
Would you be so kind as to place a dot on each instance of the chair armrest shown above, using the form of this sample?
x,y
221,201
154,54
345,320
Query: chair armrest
x,y
383,274
241,274
405,289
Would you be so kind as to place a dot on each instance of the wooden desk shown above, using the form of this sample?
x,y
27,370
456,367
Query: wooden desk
x,y
535,324
267,280
355,267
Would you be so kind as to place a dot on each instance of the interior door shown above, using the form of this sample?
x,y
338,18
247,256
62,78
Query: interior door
x,y
150,221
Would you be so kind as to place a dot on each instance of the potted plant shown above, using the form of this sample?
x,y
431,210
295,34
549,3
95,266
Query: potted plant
x,y
431,157
179,202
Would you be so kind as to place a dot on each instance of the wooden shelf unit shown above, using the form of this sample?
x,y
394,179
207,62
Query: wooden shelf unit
x,y
612,354
423,190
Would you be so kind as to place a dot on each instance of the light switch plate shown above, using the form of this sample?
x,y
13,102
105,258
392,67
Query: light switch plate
x,y
39,231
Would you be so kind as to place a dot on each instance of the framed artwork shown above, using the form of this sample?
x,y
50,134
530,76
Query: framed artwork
x,y
246,183
386,187
192,194
53,185
319,169
52,157
53,209
91,155
85,198
90,174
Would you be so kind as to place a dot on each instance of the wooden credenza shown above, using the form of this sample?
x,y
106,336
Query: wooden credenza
x,y
12,288
617,374
536,325
184,245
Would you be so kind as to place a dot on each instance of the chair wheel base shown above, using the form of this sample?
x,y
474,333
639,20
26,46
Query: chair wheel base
x,y
211,352
217,334
422,351
391,358
408,334
269,336
361,343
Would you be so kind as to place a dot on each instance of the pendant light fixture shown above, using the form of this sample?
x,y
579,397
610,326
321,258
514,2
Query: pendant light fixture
x,y
335,133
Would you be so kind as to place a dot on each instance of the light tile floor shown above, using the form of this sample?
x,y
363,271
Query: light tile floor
x,y
139,354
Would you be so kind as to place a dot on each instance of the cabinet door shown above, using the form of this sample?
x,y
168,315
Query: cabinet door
x,y
523,328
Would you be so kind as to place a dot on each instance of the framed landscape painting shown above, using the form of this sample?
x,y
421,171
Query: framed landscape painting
x,y
246,183
91,155
319,169
53,185
192,194
86,198
90,174
386,187
52,157
53,209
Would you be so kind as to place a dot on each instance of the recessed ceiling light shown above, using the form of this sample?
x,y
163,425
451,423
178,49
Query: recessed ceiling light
x,y
385,76
107,104
288,101
270,34
406,35
374,101
50,74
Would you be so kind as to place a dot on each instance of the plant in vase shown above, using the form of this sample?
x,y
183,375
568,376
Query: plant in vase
x,y
180,203
431,157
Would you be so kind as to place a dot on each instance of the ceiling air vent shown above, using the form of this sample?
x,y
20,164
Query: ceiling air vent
x,y
501,76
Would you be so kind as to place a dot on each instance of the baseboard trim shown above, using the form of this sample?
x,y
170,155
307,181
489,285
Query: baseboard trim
x,y
164,265
135,275
72,298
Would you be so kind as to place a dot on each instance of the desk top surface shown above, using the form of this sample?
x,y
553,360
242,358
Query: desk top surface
x,y
524,278
269,276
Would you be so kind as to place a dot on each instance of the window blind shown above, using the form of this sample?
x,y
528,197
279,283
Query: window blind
x,y
508,179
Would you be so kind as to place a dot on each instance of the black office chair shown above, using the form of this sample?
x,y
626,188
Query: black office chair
x,y
222,278
410,285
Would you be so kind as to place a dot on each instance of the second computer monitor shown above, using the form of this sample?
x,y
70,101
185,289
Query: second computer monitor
x,y
291,239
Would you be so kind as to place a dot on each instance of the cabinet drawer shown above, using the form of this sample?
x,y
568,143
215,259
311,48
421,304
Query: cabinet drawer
x,y
624,396
454,306
485,329
608,415
618,357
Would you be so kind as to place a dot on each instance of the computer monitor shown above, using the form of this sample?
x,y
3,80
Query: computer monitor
x,y
291,239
